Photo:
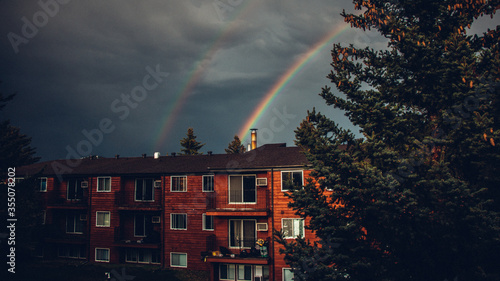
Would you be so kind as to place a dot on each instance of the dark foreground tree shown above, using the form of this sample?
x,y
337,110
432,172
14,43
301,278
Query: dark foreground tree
x,y
235,146
418,197
23,202
190,145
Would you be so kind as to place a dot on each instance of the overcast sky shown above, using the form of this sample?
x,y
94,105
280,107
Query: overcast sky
x,y
113,73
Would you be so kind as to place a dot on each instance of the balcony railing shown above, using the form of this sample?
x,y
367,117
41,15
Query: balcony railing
x,y
221,202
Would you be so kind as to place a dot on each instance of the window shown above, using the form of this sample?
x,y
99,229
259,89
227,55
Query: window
x,y
291,179
74,189
143,225
43,184
104,184
143,256
144,190
287,274
244,272
292,228
71,251
178,184
44,216
74,224
226,271
208,222
208,183
103,219
242,233
102,254
178,221
178,259
242,189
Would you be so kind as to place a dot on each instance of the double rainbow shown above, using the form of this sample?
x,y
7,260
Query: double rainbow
x,y
198,70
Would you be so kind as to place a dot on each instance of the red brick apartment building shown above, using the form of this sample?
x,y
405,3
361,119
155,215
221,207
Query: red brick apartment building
x,y
212,212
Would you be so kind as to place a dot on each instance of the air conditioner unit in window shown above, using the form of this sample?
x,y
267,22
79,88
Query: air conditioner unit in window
x,y
262,226
261,181
157,184
83,217
84,184
155,219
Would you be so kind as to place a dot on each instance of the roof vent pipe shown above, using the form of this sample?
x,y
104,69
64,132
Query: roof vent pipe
x,y
249,147
254,138
209,153
157,155
117,156
173,154
144,155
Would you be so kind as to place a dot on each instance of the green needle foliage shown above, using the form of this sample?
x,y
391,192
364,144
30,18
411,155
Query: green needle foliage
x,y
418,197
235,147
190,145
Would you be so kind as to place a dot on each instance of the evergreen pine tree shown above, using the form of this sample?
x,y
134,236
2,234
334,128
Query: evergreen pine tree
x,y
235,147
418,197
190,145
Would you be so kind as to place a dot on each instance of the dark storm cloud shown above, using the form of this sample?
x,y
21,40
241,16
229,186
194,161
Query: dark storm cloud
x,y
72,68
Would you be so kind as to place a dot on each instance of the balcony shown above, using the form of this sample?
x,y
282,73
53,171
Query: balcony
x,y
224,205
56,234
151,240
64,203
126,201
258,254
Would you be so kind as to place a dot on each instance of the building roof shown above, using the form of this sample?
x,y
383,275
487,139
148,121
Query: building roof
x,y
264,157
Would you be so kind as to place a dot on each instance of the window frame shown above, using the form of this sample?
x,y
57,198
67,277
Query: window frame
x,y
204,220
228,268
212,182
42,180
185,183
242,189
104,220
178,253
143,189
77,186
283,273
293,230
76,220
99,185
242,231
172,221
291,171
106,249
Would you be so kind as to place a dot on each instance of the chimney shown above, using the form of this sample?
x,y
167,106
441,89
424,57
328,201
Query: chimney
x,y
173,154
157,155
209,153
254,138
117,156
144,155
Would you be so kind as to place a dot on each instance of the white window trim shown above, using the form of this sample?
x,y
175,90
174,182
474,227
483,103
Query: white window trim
x,y
203,181
290,171
172,179
171,221
109,254
171,265
152,193
203,218
97,215
98,184
229,233
40,187
229,188
283,272
303,227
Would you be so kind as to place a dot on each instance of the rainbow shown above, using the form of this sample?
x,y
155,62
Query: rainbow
x,y
284,79
197,71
